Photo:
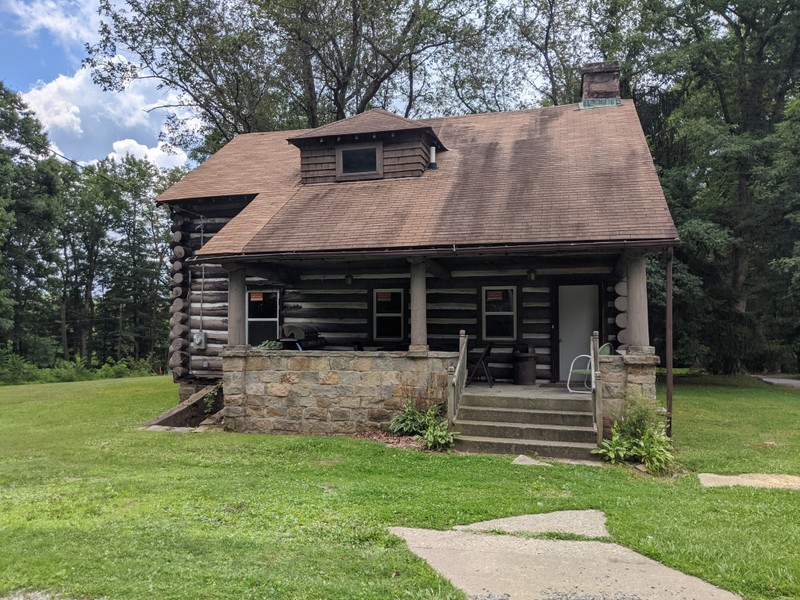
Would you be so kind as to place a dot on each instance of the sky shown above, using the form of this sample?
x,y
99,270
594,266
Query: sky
x,y
41,48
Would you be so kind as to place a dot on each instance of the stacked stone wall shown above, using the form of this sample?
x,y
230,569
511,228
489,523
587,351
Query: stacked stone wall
x,y
633,373
327,392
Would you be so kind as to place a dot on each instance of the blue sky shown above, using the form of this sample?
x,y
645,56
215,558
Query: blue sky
x,y
41,48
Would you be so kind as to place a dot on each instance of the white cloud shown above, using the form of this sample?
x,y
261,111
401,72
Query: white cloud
x,y
158,155
70,22
87,122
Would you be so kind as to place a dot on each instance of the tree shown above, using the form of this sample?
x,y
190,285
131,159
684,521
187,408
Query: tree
x,y
244,65
30,187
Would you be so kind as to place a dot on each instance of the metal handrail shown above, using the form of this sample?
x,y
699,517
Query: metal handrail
x,y
459,378
597,390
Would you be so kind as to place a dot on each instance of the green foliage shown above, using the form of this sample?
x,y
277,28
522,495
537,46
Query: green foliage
x,y
93,507
210,399
429,427
271,345
15,369
436,434
653,448
640,436
408,422
614,449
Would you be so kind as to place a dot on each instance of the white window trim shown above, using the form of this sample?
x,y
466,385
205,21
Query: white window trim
x,y
276,319
376,174
513,311
401,314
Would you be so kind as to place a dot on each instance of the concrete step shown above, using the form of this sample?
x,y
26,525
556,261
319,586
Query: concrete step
x,y
524,415
572,403
523,431
489,445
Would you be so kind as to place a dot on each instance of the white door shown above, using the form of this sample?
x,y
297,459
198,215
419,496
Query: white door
x,y
578,317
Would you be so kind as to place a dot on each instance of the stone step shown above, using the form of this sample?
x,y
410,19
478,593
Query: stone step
x,y
572,403
524,415
524,431
489,445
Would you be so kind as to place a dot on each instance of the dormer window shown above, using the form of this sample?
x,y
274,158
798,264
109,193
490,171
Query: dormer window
x,y
359,161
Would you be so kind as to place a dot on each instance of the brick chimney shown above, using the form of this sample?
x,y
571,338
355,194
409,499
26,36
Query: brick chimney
x,y
600,84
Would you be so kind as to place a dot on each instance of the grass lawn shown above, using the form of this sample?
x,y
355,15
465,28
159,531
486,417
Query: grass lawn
x,y
90,506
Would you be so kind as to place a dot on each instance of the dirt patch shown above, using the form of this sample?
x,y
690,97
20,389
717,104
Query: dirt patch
x,y
758,480
390,439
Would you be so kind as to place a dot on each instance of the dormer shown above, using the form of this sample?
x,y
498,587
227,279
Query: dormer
x,y
372,145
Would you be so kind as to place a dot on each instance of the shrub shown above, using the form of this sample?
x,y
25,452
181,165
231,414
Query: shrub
x,y
640,435
436,434
409,422
429,427
14,369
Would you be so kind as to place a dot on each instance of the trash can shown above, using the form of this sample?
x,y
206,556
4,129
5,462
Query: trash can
x,y
524,363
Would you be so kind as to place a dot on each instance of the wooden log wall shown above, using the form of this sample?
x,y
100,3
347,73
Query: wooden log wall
x,y
343,313
194,223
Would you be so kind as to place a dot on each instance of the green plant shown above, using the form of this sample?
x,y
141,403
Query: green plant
x,y
409,422
639,414
614,449
436,434
654,449
640,435
210,399
271,345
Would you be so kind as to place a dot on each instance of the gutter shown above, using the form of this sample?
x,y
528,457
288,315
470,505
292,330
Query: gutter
x,y
441,251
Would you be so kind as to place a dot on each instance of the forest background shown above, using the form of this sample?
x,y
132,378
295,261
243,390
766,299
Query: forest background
x,y
84,286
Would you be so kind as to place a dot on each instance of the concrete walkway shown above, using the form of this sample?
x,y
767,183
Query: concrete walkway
x,y
794,383
508,566
758,480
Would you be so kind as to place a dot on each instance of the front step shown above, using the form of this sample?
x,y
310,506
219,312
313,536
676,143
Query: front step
x,y
523,431
548,423
559,403
488,445
522,415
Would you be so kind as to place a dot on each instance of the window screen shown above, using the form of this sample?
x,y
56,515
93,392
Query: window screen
x,y
499,313
388,314
262,316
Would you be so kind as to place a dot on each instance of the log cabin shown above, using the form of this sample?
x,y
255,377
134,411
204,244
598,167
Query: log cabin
x,y
380,254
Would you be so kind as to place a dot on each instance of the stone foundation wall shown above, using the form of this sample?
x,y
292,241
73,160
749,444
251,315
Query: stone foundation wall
x,y
326,392
633,373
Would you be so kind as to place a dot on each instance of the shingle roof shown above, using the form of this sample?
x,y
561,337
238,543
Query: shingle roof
x,y
371,121
541,176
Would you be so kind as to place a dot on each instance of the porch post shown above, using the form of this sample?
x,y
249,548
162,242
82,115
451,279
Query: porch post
x,y
237,335
638,332
419,314
669,340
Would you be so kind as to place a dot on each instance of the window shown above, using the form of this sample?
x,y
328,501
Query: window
x,y
359,161
499,313
387,314
262,316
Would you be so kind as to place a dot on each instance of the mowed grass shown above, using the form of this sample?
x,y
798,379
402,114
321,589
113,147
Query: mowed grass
x,y
91,506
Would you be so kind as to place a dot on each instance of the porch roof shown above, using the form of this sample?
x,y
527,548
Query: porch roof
x,y
540,177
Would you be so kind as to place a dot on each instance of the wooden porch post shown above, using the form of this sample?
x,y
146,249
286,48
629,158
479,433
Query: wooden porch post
x,y
419,314
237,334
638,332
669,340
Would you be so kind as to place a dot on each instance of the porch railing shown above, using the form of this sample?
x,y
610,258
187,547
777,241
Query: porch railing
x,y
597,390
458,379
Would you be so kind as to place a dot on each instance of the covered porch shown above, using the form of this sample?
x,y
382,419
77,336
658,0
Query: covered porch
x,y
391,330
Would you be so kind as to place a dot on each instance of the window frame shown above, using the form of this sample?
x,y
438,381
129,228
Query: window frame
x,y
276,319
512,313
401,315
376,174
